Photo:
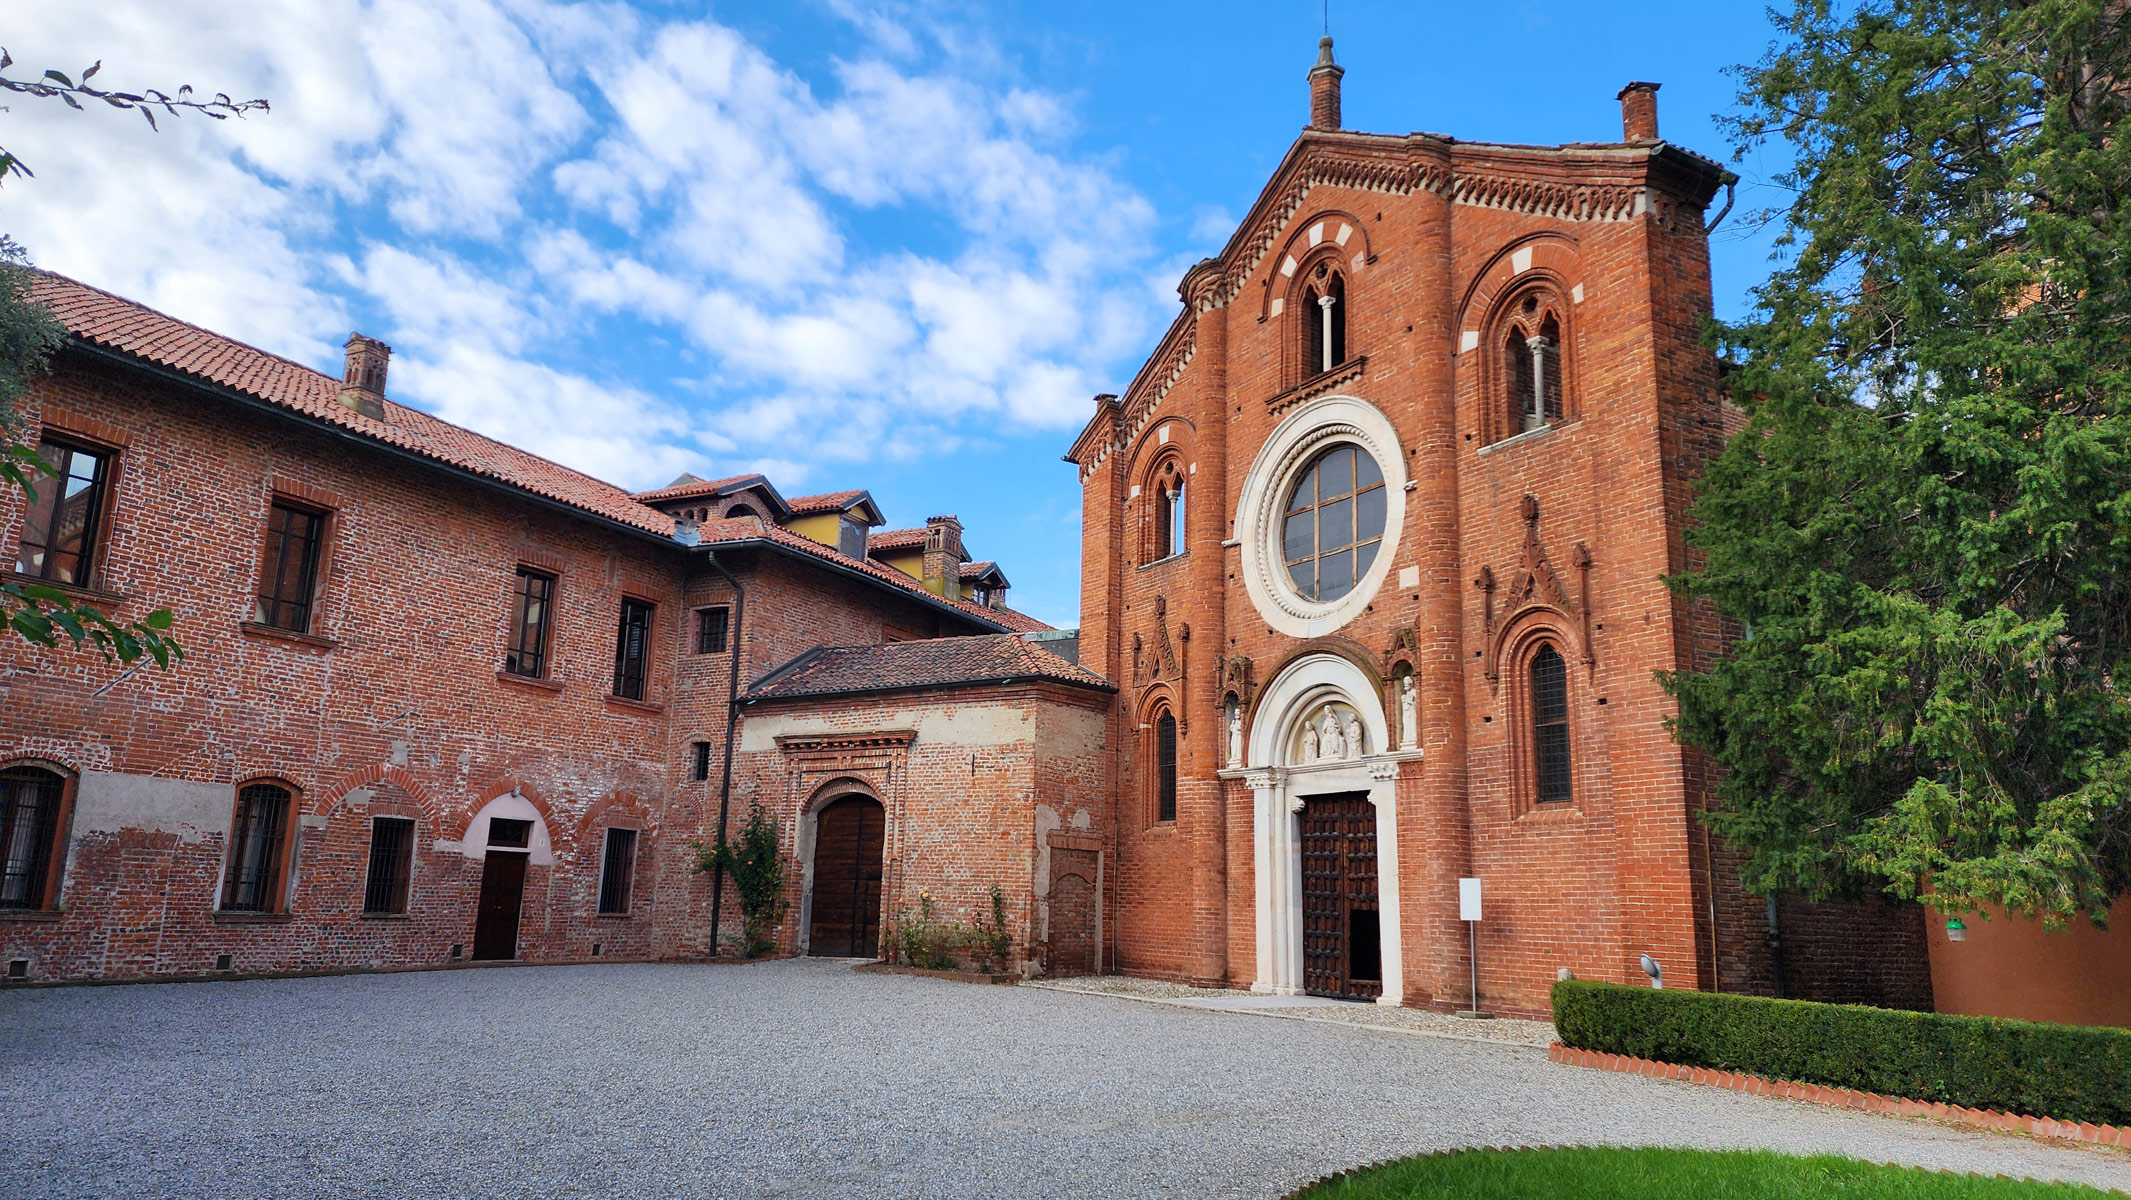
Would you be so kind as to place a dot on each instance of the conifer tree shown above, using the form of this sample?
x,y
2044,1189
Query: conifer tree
x,y
1925,530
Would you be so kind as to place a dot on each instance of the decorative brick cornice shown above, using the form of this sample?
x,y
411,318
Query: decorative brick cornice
x,y
819,745
1813,1093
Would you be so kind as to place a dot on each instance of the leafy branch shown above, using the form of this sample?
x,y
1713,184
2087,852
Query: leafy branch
x,y
145,102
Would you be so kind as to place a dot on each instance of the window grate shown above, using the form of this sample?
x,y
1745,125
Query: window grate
x,y
632,644
29,831
290,579
699,761
712,625
615,874
534,600
255,855
1550,725
391,865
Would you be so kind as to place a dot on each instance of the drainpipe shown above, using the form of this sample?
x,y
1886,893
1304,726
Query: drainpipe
x,y
732,730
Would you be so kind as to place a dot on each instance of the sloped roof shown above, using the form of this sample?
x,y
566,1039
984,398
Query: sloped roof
x,y
935,663
102,319
804,506
978,570
896,539
741,530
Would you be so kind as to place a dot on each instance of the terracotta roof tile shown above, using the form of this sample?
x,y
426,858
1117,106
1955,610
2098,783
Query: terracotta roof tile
x,y
98,317
938,662
895,539
748,529
825,502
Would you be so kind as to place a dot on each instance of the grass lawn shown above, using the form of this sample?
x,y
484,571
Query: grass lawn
x,y
1643,1173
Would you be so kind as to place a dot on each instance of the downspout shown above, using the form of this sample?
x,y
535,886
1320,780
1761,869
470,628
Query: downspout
x,y
732,730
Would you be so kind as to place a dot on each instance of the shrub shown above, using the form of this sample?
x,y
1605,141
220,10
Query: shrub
x,y
757,873
2068,1072
930,941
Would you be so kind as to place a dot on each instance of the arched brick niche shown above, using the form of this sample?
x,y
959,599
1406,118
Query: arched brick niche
x,y
1518,340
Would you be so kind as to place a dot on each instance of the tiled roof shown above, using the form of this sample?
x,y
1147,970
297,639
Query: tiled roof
x,y
939,662
689,485
895,539
100,318
977,569
751,529
826,502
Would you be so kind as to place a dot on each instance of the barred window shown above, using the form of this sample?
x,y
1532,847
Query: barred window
x,y
632,646
533,602
258,840
63,524
1550,725
616,871
699,761
288,580
712,625
1165,767
30,799
391,865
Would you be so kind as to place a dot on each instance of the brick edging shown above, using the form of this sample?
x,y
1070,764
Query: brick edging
x,y
1874,1102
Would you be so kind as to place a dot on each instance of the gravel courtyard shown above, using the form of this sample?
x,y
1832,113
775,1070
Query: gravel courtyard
x,y
804,1079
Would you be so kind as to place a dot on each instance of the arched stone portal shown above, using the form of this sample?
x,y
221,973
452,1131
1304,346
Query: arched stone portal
x,y
844,902
1323,778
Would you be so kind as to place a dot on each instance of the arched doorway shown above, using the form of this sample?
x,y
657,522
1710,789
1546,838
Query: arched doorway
x,y
1324,782
846,909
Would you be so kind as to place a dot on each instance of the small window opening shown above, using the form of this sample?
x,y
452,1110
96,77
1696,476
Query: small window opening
x,y
1165,760
533,603
1325,312
507,834
632,647
712,625
615,871
258,838
699,761
391,865
1550,725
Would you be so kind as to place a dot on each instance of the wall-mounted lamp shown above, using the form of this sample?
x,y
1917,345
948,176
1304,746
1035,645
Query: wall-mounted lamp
x,y
1956,931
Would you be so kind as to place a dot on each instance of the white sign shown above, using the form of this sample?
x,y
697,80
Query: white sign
x,y
1468,899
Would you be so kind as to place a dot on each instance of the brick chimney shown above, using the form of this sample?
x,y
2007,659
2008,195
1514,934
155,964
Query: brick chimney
x,y
1638,112
362,383
944,556
1324,87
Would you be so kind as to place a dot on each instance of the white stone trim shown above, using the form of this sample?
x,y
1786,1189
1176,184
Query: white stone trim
x,y
1313,427
1277,792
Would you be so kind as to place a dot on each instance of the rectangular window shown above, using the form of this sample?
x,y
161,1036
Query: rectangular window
x,y
61,529
699,761
511,834
615,874
632,645
711,627
289,578
534,599
391,865
30,799
257,849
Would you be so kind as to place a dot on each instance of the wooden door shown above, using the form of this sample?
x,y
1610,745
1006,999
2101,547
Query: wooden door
x,y
1342,944
496,915
846,919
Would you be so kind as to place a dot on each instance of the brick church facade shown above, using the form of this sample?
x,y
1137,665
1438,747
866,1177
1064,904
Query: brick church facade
x,y
1372,603
1374,546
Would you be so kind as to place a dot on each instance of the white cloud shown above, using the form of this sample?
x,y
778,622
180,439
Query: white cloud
x,y
634,244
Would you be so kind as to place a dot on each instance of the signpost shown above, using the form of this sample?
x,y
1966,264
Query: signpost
x,y
1469,912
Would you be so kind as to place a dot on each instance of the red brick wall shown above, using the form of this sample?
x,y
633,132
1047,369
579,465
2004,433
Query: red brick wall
x,y
1625,869
394,707
971,779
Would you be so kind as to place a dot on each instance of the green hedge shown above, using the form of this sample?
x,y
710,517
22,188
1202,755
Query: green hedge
x,y
2068,1072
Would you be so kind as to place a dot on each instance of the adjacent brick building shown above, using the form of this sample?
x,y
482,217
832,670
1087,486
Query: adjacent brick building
x,y
443,699
1375,546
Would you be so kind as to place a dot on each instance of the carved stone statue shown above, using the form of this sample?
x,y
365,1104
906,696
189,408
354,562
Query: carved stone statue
x,y
1331,739
1408,712
1309,743
1354,738
1235,735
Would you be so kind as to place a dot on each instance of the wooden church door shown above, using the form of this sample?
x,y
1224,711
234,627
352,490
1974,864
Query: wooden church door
x,y
1342,940
847,879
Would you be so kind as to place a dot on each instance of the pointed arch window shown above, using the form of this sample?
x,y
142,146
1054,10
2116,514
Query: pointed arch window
x,y
1324,313
1550,726
1165,767
1533,389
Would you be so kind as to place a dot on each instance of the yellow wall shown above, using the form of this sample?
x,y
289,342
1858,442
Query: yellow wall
x,y
822,527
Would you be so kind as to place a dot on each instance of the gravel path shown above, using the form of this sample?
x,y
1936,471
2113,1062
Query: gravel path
x,y
804,1079
1310,1008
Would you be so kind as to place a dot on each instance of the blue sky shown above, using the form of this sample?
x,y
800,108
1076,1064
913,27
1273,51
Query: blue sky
x,y
893,246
